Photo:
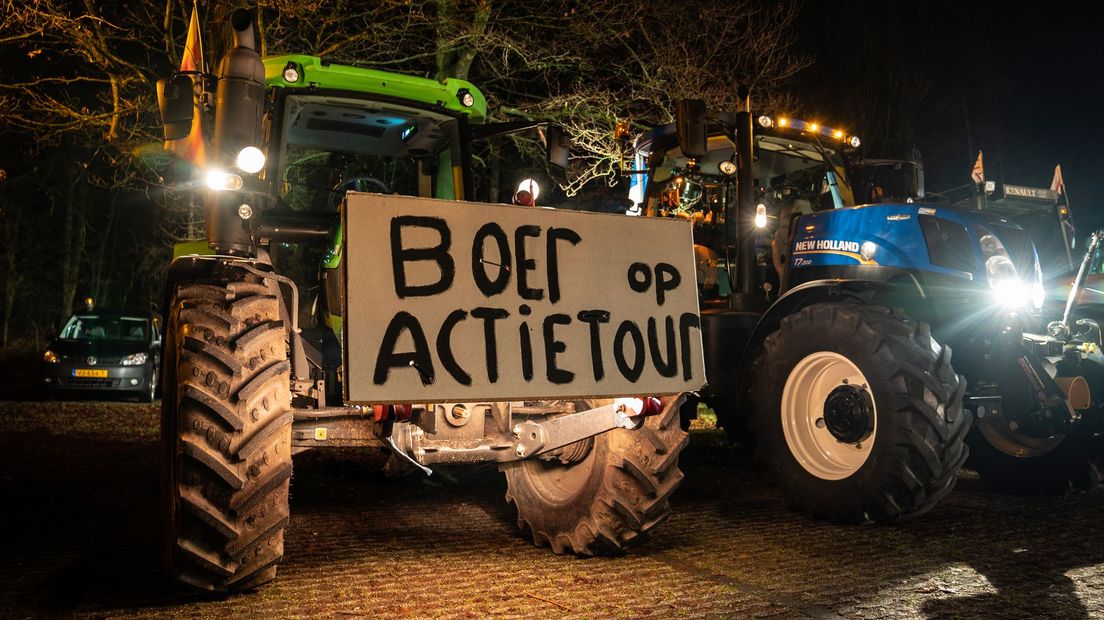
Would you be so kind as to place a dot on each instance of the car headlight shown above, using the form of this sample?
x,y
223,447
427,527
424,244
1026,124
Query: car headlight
x,y
51,357
135,359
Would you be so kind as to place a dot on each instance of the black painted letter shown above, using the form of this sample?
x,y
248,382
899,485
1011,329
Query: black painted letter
x,y
594,318
525,265
444,347
489,316
438,253
628,328
686,321
668,367
552,346
488,286
554,235
418,359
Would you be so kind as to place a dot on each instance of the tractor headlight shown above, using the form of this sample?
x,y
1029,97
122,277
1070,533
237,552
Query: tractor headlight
x,y
1009,288
221,180
761,216
251,159
135,359
51,357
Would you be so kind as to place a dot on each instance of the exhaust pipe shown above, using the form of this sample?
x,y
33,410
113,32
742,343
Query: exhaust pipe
x,y
1077,392
239,105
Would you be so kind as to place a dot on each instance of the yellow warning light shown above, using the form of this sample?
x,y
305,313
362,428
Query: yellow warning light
x,y
813,127
838,135
782,122
1063,211
810,227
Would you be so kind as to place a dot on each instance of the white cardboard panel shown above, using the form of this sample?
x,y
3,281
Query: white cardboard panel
x,y
422,298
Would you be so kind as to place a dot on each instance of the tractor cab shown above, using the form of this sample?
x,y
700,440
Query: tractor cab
x,y
799,168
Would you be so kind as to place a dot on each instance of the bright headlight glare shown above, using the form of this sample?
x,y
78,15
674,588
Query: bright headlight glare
x,y
135,359
761,216
1038,295
251,159
1012,293
219,180
51,357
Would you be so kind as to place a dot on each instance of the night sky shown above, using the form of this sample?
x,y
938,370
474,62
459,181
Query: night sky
x,y
1028,81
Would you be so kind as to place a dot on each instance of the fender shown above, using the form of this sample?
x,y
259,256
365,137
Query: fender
x,y
195,267
803,295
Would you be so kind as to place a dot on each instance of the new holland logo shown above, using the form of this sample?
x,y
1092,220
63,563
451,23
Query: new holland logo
x,y
827,244
91,361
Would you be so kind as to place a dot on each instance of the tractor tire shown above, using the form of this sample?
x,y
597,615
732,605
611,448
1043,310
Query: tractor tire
x,y
611,499
859,413
225,434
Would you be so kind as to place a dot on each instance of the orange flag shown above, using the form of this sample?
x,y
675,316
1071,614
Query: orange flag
x,y
192,147
1058,184
978,173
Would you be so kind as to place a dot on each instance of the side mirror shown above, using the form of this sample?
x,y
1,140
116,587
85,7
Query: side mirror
x,y
559,151
174,98
692,131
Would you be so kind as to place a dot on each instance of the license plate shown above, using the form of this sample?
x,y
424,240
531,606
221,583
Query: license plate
x,y
90,372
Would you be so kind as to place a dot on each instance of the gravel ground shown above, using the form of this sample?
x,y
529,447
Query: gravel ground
x,y
78,492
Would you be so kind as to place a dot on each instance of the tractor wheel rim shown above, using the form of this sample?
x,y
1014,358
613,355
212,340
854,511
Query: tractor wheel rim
x,y
829,380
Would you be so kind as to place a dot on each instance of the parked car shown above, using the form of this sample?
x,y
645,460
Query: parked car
x,y
105,350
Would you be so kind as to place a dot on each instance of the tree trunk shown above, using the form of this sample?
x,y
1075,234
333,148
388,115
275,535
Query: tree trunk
x,y
12,278
73,241
97,266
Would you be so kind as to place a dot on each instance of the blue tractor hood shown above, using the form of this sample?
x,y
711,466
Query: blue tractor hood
x,y
915,237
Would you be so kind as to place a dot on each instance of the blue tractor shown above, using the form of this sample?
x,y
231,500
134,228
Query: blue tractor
x,y
829,318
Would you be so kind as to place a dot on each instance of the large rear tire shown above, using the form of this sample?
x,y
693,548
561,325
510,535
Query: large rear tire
x,y
858,413
225,433
608,500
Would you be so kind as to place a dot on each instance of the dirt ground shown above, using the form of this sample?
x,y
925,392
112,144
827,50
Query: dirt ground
x,y
78,494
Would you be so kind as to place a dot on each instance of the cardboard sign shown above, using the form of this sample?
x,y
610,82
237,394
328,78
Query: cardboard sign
x,y
456,301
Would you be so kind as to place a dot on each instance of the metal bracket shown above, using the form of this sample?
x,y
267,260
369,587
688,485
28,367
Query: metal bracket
x,y
537,437
528,438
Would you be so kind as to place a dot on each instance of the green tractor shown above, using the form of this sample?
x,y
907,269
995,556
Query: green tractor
x,y
303,323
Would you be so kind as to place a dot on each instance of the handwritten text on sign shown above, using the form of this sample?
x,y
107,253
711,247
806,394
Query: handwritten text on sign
x,y
455,301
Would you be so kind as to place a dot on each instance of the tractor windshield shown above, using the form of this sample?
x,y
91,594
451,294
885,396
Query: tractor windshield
x,y
331,145
786,170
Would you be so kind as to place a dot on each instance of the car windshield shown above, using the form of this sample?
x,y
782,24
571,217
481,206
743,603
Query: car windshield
x,y
96,327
